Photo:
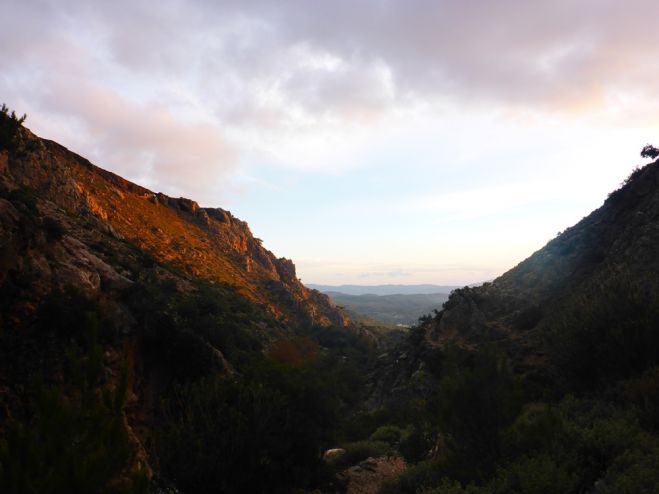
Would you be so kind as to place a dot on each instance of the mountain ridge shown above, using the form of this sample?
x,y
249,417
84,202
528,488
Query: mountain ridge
x,y
204,242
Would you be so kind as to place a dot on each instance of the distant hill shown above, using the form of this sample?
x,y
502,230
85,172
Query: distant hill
x,y
394,309
384,289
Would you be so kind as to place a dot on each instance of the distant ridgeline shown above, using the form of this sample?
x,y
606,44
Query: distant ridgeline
x,y
385,289
392,305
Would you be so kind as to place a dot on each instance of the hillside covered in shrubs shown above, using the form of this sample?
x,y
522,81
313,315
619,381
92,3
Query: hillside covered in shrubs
x,y
147,344
547,379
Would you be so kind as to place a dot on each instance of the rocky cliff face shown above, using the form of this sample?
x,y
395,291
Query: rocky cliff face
x,y
201,242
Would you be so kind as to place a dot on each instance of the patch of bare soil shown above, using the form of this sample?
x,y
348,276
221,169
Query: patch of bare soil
x,y
370,474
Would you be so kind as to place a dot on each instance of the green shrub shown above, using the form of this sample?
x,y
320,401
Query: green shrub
x,y
416,443
389,434
534,475
635,471
180,333
539,427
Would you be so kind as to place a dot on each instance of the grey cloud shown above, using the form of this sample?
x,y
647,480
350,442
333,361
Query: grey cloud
x,y
527,53
533,52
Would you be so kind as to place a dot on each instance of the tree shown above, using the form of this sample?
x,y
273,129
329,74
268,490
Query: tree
x,y
649,151
9,125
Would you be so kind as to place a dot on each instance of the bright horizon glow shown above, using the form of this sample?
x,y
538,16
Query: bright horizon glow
x,y
371,142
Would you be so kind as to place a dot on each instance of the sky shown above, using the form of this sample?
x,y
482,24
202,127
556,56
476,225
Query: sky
x,y
372,142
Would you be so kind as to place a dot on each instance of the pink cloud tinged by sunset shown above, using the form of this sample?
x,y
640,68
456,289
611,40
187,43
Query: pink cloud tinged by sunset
x,y
145,141
263,70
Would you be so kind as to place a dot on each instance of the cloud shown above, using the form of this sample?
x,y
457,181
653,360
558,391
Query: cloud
x,y
145,141
536,52
395,273
186,87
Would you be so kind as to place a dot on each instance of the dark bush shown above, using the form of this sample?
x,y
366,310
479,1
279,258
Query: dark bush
x,y
534,475
53,228
539,427
649,151
73,317
606,332
9,125
478,398
25,197
264,432
389,434
416,443
643,393
74,443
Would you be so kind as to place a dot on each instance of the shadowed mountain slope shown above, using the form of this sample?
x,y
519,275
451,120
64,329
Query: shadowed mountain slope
x,y
603,271
582,310
547,378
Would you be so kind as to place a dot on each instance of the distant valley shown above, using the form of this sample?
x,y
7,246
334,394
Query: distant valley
x,y
398,309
